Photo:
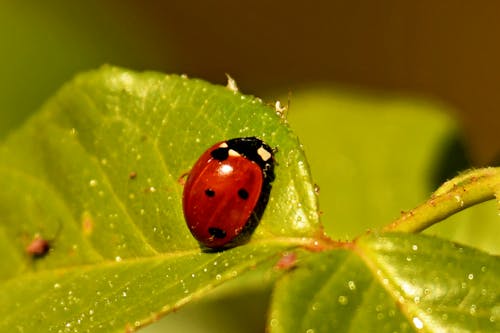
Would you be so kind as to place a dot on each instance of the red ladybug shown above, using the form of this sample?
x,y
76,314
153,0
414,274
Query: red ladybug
x,y
227,191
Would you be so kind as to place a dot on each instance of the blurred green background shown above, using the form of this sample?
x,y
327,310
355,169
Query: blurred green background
x,y
442,50
388,97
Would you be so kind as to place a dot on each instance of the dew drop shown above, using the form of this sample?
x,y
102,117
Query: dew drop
x,y
459,200
414,247
218,277
351,285
343,300
93,183
418,323
470,276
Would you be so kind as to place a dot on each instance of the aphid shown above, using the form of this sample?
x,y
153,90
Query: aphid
x,y
38,248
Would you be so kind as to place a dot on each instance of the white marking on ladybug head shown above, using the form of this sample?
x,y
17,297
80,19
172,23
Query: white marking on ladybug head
x,y
233,153
223,145
264,153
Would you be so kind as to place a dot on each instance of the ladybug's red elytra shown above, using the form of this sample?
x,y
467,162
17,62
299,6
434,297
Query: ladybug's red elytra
x,y
227,191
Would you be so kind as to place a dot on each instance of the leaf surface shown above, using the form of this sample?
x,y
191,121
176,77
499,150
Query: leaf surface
x,y
97,173
391,283
374,155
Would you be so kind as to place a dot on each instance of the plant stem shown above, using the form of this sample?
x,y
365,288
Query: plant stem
x,y
459,193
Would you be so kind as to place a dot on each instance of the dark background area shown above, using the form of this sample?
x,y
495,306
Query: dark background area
x,y
442,50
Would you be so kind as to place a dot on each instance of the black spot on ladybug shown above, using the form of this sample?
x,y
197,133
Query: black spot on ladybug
x,y
209,192
216,232
243,194
220,154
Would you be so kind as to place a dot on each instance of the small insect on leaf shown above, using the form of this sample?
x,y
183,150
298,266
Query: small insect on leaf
x,y
287,261
41,246
38,248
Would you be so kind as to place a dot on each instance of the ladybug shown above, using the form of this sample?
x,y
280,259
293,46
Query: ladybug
x,y
227,191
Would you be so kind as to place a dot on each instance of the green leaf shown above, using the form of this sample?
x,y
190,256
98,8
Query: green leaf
x,y
121,254
376,155
391,283
371,155
52,41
